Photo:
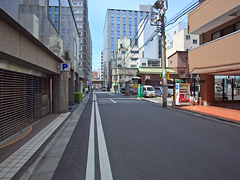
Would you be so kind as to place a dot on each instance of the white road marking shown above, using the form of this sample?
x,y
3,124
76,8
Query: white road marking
x,y
112,100
105,168
111,94
90,172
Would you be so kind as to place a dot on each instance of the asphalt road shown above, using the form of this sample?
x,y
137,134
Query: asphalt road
x,y
131,139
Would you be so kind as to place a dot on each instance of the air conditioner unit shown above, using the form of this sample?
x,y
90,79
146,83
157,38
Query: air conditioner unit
x,y
80,64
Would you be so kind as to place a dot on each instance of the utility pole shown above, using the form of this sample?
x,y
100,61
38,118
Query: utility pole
x,y
124,75
158,15
115,73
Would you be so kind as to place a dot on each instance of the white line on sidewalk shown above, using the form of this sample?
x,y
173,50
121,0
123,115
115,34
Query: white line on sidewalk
x,y
112,100
105,168
90,172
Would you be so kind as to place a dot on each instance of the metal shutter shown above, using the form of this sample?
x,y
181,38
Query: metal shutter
x,y
23,101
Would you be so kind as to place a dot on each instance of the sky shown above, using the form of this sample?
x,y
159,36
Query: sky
x,y
97,14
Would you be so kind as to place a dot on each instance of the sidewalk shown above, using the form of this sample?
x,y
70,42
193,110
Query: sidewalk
x,y
215,111
17,154
225,112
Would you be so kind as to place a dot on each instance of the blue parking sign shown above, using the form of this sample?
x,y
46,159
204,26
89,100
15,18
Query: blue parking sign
x,y
65,67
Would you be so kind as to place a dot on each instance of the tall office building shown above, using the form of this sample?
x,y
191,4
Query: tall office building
x,y
119,24
80,10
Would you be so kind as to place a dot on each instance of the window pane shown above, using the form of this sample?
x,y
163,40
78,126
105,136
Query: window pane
x,y
53,12
216,35
227,30
237,26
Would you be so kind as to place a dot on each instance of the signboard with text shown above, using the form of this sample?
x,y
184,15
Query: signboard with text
x,y
65,67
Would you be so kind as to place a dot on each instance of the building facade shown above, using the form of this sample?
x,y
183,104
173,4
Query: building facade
x,y
36,37
80,10
101,62
119,24
149,41
217,22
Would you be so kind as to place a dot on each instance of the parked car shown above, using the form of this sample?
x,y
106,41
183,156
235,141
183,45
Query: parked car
x,y
158,90
149,91
104,89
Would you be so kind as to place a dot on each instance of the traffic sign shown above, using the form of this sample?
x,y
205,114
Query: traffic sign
x,y
65,67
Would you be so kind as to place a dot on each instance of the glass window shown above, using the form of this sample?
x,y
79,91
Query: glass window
x,y
118,13
194,41
216,35
118,27
133,66
237,26
134,59
130,14
53,12
124,13
123,52
188,37
124,33
134,52
227,30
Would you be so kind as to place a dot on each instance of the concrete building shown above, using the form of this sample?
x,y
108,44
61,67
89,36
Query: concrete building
x,y
149,41
125,67
36,37
148,62
177,52
172,31
119,24
218,24
80,10
101,62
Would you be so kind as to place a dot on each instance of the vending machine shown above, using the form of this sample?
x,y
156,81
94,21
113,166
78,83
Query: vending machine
x,y
182,94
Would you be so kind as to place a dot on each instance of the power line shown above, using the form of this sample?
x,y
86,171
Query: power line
x,y
172,20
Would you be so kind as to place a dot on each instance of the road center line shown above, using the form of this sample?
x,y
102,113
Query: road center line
x,y
105,168
112,100
90,172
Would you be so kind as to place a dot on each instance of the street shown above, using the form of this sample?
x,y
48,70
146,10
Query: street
x,y
119,137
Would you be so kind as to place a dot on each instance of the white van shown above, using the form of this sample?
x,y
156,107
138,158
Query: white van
x,y
149,91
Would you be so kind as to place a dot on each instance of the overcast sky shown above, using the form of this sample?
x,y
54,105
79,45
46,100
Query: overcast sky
x,y
97,13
